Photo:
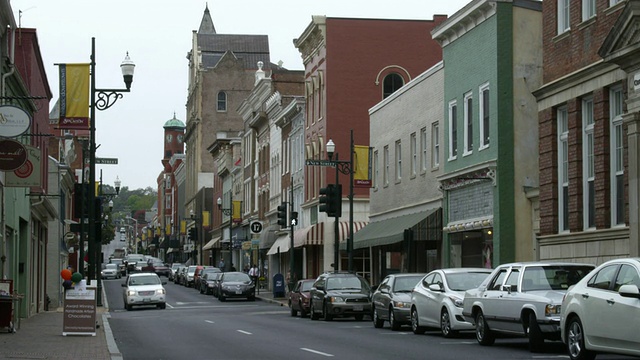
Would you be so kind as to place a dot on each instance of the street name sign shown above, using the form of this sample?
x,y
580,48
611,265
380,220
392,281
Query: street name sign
x,y
321,163
107,161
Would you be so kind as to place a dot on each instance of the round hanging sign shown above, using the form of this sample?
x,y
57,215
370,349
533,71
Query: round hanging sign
x,y
12,155
13,121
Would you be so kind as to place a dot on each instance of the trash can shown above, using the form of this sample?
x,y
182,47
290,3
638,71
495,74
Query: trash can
x,y
278,286
6,313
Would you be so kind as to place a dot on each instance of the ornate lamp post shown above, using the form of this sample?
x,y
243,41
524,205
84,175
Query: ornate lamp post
x,y
106,98
345,167
227,212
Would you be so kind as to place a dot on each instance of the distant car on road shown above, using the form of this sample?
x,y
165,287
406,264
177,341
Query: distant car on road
x,y
110,271
522,298
209,282
121,265
174,267
299,297
144,289
135,262
157,267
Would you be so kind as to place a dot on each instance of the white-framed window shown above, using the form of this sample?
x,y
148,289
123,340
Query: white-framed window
x,y
413,143
588,9
376,169
468,123
453,130
485,117
222,101
385,160
563,168
588,164
613,2
616,101
563,16
423,150
435,145
398,160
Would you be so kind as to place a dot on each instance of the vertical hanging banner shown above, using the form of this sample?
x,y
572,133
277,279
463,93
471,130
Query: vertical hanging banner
x,y
236,213
206,222
74,96
183,227
361,166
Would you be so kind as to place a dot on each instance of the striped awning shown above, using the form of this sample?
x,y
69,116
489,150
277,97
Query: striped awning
x,y
314,234
344,228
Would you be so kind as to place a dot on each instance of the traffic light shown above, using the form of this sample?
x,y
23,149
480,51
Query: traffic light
x,y
294,218
331,200
282,214
193,234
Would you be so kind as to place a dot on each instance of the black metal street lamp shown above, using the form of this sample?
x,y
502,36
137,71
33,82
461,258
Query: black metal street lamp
x,y
105,99
197,222
227,211
345,167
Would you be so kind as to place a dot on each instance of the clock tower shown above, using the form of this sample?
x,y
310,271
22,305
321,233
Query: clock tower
x,y
173,138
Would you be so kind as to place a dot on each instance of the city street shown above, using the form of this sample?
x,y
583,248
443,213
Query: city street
x,y
196,326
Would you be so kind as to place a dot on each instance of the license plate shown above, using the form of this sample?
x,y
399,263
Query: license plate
x,y
146,300
238,292
357,308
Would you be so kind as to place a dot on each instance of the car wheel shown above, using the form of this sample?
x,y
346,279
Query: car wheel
x,y
201,291
415,325
303,313
445,324
483,333
252,298
162,306
128,307
294,312
536,339
377,322
312,313
395,326
325,313
222,297
575,341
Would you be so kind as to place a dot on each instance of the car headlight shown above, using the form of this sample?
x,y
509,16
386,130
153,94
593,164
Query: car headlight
x,y
552,309
160,292
130,293
456,301
401,304
336,299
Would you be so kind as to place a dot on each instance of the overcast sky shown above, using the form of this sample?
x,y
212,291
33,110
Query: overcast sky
x,y
157,35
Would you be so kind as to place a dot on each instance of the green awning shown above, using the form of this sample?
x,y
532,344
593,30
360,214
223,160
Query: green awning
x,y
389,231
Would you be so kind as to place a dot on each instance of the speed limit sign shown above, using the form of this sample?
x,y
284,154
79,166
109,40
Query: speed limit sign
x,y
256,227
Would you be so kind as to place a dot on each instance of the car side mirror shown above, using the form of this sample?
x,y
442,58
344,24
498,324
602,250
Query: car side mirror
x,y
320,287
435,287
630,291
164,283
123,285
507,288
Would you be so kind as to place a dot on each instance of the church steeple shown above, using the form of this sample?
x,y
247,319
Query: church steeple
x,y
206,25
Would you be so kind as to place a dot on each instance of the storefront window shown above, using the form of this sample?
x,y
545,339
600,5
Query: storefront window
x,y
472,248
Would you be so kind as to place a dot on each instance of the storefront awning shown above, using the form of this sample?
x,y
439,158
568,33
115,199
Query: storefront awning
x,y
389,231
170,250
268,236
211,243
283,244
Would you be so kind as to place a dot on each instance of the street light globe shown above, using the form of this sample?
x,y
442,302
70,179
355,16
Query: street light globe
x,y
219,202
331,148
110,205
127,67
117,183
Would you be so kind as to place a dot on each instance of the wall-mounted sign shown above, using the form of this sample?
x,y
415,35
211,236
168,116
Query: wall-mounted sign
x,y
29,174
12,155
13,121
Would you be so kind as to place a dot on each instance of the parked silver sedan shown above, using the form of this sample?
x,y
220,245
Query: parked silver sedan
x,y
392,299
436,301
522,298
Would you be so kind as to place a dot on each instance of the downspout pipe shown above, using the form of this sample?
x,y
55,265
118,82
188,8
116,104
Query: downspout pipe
x,y
11,56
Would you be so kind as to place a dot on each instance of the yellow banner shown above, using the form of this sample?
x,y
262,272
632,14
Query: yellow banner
x,y
361,166
206,222
183,227
167,229
237,211
74,96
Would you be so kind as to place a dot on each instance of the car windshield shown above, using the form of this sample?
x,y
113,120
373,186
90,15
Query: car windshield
x,y
464,281
553,277
116,261
306,286
176,266
144,280
236,277
346,283
111,266
406,283
157,264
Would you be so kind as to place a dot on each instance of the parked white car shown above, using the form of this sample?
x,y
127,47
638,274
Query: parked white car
x,y
522,298
436,301
600,313
144,289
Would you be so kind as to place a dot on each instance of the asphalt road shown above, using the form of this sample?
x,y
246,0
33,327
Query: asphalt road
x,y
196,326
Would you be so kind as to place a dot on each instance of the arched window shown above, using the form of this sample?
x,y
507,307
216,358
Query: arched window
x,y
391,83
222,101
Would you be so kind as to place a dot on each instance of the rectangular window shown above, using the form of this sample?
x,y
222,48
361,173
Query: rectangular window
x,y
453,130
435,145
588,167
423,149
563,16
613,2
563,169
484,116
385,159
616,100
398,160
414,154
468,123
588,9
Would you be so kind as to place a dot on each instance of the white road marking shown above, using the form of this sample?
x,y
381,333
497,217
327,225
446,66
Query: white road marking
x,y
549,357
244,332
458,342
209,321
169,306
317,352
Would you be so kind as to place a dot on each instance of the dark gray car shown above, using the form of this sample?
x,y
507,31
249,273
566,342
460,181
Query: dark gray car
x,y
392,300
340,294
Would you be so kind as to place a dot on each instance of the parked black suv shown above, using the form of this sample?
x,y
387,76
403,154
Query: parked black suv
x,y
340,294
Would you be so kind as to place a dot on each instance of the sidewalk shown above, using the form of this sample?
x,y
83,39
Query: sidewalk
x,y
40,337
